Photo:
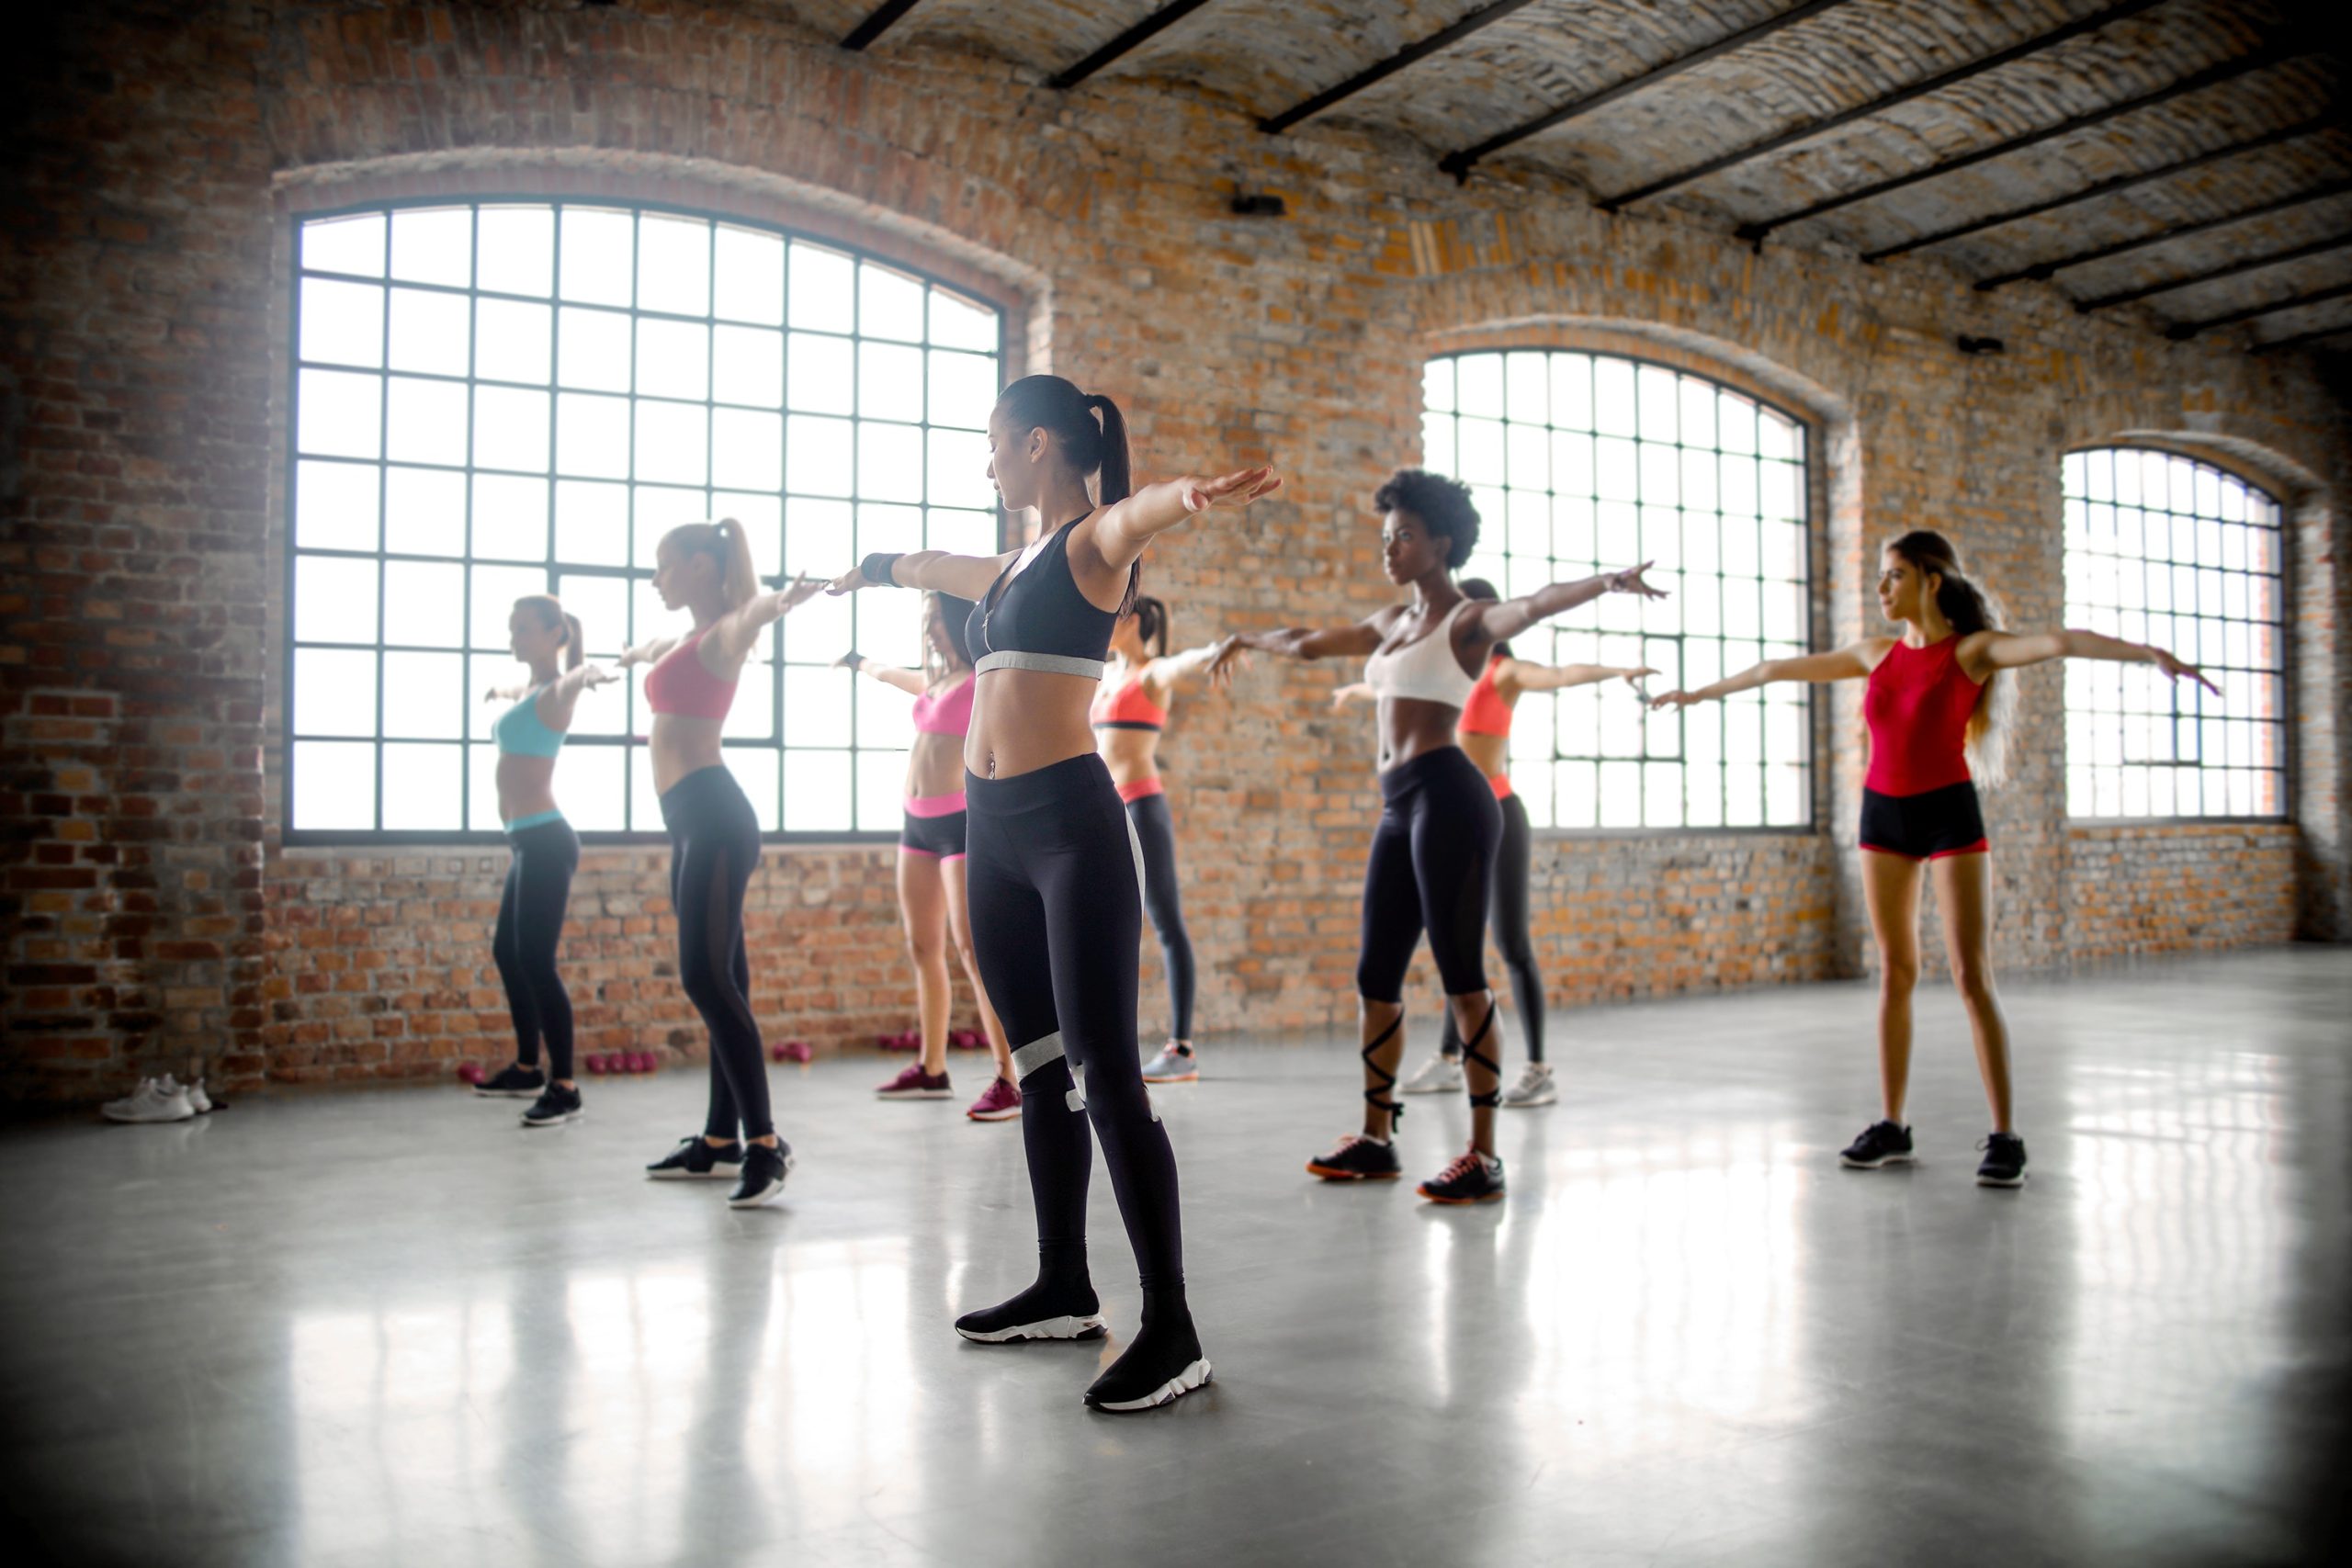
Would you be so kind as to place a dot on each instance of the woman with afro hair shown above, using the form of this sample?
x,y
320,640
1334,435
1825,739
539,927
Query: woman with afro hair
x,y
1433,850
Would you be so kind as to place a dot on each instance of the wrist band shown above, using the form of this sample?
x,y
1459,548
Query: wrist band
x,y
854,659
876,567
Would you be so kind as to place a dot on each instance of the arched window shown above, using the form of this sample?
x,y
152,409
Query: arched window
x,y
1585,461
2166,550
508,397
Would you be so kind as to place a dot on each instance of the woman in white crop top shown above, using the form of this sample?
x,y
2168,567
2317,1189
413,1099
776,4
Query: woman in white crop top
x,y
1434,848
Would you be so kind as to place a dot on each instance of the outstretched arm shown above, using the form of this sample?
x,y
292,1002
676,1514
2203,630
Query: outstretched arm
x,y
731,637
562,694
908,680
1852,664
1500,622
1212,664
650,651
1353,691
1981,653
967,577
1311,642
1529,677
1127,526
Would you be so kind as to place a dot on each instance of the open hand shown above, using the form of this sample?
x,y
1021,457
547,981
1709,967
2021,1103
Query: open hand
x,y
798,592
1675,700
597,675
2175,669
1630,582
1634,677
1236,489
1227,658
849,581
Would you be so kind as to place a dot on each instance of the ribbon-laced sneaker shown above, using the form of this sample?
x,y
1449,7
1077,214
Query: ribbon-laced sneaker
x,y
697,1159
1175,1063
1535,1088
1440,1074
1472,1178
2004,1160
1882,1143
998,1102
155,1100
916,1084
512,1082
765,1168
1357,1159
555,1106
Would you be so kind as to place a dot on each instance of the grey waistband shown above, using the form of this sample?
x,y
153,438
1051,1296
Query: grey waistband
x,y
1047,663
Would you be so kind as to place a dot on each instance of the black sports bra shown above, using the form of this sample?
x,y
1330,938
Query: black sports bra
x,y
1034,618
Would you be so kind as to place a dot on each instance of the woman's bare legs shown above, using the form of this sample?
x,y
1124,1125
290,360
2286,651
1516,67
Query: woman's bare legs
x,y
1965,894
1891,888
923,908
959,930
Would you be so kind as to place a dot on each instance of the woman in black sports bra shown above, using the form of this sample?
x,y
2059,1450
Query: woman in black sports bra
x,y
1055,878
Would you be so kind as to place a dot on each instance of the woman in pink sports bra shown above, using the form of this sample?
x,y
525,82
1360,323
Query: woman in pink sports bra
x,y
934,902
1129,711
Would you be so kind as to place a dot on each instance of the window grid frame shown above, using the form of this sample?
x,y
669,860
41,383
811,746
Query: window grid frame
x,y
2284,724
1811,714
629,575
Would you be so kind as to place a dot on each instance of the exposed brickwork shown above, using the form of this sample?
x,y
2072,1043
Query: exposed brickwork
x,y
141,428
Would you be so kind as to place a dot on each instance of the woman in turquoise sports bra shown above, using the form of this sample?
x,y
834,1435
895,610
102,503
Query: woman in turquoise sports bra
x,y
545,853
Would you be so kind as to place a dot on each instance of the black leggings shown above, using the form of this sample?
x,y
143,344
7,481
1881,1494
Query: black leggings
x,y
530,923
1509,922
1156,833
1054,876
1430,860
714,844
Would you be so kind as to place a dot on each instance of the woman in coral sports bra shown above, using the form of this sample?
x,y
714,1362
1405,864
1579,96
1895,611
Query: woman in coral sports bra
x,y
1129,712
1935,705
934,903
1484,732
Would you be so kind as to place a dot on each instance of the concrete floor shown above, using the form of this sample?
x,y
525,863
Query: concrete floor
x,y
391,1327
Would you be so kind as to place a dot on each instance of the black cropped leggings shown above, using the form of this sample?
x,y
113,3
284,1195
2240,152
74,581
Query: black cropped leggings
x,y
1056,884
714,844
1508,911
530,924
1431,856
1156,835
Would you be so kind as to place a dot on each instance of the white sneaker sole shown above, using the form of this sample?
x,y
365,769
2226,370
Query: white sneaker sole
x,y
557,1121
1874,1163
1175,1388
767,1194
1454,1087
1010,1114
2016,1180
134,1119
914,1094
718,1173
509,1093
1088,1327
1530,1102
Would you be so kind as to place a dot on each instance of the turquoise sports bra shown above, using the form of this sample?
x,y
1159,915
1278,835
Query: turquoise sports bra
x,y
521,732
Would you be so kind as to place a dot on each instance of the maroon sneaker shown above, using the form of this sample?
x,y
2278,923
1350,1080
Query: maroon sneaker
x,y
915,1084
998,1102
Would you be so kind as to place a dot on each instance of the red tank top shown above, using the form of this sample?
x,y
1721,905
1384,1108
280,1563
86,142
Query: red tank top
x,y
1917,707
679,684
1485,713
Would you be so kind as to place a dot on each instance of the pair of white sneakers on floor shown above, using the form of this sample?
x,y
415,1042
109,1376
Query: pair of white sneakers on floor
x,y
159,1099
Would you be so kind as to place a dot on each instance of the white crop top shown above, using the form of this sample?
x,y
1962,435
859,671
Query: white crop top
x,y
1424,668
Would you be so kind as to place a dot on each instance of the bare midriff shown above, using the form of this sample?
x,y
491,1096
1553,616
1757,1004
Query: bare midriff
x,y
526,786
1411,727
681,746
935,766
1133,755
1027,719
1491,752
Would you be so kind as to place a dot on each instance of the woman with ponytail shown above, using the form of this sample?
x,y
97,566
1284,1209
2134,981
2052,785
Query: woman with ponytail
x,y
1129,711
706,568
1055,878
1938,711
933,904
544,852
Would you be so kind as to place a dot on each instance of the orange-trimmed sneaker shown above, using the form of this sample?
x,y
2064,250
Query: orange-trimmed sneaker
x,y
1473,1179
1357,1159
1175,1063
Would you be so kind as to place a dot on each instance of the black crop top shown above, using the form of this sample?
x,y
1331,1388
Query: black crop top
x,y
1034,618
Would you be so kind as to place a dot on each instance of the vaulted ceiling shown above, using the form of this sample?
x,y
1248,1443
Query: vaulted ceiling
x,y
2191,154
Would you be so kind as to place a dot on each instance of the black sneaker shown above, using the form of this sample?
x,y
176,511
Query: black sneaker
x,y
764,1170
555,1106
1050,1309
1882,1143
1163,1365
1357,1159
1472,1178
513,1082
2004,1161
697,1159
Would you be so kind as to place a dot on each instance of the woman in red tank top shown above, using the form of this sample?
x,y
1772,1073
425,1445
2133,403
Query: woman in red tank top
x,y
1933,707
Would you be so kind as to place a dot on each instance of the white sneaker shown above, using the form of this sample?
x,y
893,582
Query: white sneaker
x,y
150,1102
1440,1074
197,1101
1535,1088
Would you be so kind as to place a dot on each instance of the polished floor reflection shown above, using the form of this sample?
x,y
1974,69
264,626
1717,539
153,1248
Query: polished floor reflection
x,y
390,1326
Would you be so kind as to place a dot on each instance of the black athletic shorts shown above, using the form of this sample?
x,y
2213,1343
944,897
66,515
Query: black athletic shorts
x,y
1928,826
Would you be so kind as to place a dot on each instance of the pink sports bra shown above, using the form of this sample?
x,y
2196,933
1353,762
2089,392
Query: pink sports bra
x,y
948,713
679,685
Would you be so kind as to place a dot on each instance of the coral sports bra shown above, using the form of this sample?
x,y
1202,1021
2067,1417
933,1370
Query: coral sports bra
x,y
1034,618
1485,713
678,683
1126,708
1424,669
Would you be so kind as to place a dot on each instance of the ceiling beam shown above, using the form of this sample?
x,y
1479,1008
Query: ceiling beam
x,y
2211,77
2298,339
1920,89
2041,271
2212,274
878,21
1151,27
2182,331
1458,164
2103,187
1484,16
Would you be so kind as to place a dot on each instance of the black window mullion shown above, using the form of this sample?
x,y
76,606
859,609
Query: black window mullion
x,y
384,467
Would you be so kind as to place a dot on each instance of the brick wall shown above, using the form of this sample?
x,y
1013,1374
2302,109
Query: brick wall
x,y
149,916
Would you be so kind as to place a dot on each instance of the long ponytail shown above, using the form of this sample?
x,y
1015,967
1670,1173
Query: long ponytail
x,y
551,613
727,540
1969,607
1152,623
1117,481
